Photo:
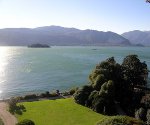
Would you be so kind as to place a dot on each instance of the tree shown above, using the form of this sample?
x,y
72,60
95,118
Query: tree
x,y
141,114
135,72
12,103
110,82
104,100
148,117
82,94
105,71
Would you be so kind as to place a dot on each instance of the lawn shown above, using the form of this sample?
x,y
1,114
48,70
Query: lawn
x,y
59,112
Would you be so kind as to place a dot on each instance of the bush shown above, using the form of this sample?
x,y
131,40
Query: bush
x,y
141,114
146,100
14,107
120,120
12,104
91,97
115,82
26,122
99,104
45,95
72,91
65,93
54,94
31,96
148,117
81,95
100,79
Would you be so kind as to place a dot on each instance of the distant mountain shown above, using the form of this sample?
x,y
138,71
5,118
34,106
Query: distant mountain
x,y
138,37
56,35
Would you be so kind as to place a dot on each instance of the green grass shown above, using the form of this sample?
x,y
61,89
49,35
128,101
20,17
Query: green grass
x,y
59,112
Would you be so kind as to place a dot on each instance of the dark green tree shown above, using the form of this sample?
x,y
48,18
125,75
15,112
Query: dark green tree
x,y
103,100
105,71
135,73
82,94
110,82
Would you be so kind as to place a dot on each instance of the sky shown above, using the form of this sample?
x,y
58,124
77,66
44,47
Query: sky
x,y
104,15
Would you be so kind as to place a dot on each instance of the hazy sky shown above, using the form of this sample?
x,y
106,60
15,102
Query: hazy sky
x,y
104,15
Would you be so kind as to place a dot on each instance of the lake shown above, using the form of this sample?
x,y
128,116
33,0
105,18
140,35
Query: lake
x,y
32,70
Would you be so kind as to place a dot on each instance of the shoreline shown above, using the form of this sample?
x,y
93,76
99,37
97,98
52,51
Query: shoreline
x,y
37,97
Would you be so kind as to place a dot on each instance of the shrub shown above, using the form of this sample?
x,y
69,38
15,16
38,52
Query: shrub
x,y
115,82
146,100
14,108
54,94
81,95
91,98
26,122
65,93
98,104
19,98
44,95
12,104
100,79
148,117
72,91
31,96
120,120
141,114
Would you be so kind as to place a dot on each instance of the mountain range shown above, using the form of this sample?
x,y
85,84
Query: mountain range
x,y
59,36
138,37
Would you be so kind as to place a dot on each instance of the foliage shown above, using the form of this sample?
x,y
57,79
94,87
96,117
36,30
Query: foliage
x,y
44,95
134,71
31,96
59,112
26,122
141,114
146,101
72,91
148,117
82,94
53,94
14,108
103,101
12,103
112,82
120,120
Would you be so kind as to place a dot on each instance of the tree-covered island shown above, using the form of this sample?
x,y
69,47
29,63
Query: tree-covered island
x,y
38,46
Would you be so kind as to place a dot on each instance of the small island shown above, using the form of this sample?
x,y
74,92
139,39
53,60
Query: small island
x,y
38,46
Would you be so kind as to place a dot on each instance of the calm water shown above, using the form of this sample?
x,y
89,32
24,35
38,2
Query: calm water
x,y
26,70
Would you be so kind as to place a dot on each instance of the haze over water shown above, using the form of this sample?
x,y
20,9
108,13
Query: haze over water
x,y
28,70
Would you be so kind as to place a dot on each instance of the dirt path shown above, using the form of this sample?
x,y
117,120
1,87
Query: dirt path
x,y
7,118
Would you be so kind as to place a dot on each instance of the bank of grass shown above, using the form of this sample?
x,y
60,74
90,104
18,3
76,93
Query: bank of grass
x,y
59,112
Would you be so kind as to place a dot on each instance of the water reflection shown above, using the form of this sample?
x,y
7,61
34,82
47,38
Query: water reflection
x,y
4,54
